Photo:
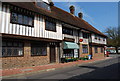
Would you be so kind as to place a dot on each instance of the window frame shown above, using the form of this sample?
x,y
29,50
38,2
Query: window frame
x,y
38,45
68,29
86,46
12,48
68,53
85,35
43,5
53,22
19,13
96,49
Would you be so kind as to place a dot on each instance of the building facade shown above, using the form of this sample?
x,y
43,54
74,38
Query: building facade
x,y
38,33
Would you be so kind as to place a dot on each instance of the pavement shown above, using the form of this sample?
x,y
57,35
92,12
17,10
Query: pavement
x,y
6,73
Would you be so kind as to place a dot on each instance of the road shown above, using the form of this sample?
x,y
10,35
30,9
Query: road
x,y
107,69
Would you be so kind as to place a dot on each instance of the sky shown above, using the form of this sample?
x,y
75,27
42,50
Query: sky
x,y
100,15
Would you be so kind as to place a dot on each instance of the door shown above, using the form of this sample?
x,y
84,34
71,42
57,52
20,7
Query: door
x,y
90,50
52,54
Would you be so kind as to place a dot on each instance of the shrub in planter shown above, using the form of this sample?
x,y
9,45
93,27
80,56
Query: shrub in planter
x,y
72,58
66,59
86,58
76,59
81,58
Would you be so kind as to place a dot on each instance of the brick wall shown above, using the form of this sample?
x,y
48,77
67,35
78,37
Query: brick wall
x,y
26,60
99,54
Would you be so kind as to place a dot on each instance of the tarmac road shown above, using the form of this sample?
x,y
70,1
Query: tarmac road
x,y
107,69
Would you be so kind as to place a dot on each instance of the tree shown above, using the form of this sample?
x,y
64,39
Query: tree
x,y
113,34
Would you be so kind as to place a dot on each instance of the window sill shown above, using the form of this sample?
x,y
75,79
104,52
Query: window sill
x,y
84,53
50,30
21,24
12,56
38,55
67,34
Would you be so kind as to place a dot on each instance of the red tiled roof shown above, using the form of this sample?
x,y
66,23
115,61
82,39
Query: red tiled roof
x,y
58,14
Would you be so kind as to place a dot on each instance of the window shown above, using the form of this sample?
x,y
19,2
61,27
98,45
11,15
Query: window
x,y
38,49
96,49
68,53
43,5
14,17
84,48
85,35
68,31
21,19
12,48
101,49
50,25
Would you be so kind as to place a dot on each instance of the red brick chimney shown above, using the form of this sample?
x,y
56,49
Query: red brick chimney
x,y
72,9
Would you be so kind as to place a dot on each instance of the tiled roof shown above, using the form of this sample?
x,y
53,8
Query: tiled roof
x,y
59,14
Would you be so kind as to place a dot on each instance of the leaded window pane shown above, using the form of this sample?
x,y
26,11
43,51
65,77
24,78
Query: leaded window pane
x,y
50,25
4,44
20,19
9,52
14,17
25,20
3,51
12,49
9,44
30,21
67,31
96,50
39,49
85,48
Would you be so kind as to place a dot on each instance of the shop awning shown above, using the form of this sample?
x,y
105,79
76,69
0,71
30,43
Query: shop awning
x,y
70,45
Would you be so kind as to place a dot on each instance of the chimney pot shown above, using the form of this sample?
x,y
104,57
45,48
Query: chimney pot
x,y
80,15
72,9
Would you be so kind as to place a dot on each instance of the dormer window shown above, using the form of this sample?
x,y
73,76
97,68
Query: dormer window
x,y
43,5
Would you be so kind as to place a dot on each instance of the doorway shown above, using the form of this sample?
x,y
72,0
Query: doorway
x,y
52,54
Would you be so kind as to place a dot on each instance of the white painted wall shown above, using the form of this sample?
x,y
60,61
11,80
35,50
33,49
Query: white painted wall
x,y
85,40
37,31
74,36
97,40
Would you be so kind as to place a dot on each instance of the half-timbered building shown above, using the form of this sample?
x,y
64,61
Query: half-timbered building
x,y
38,33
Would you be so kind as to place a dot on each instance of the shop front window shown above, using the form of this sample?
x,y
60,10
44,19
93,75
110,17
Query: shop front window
x,y
96,49
68,53
38,49
84,48
12,48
